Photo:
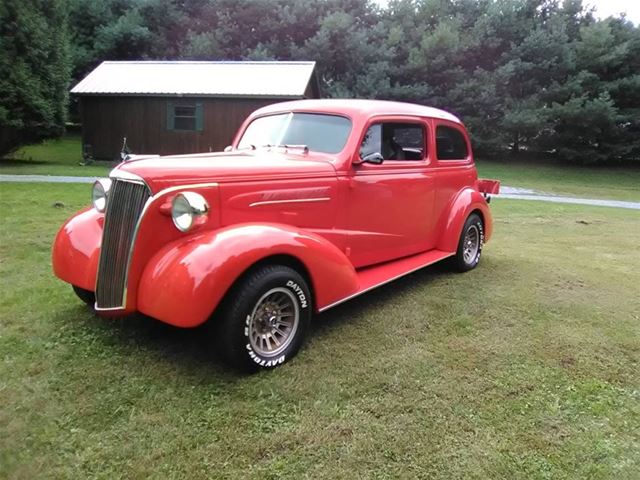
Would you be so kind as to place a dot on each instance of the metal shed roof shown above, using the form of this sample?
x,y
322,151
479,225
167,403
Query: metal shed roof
x,y
221,79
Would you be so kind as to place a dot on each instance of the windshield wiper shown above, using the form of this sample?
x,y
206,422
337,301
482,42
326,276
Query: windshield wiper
x,y
246,147
304,148
286,146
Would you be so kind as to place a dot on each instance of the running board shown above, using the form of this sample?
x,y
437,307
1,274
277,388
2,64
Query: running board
x,y
383,273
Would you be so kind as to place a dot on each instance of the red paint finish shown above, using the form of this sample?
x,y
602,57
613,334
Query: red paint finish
x,y
489,186
350,226
76,249
199,270
465,202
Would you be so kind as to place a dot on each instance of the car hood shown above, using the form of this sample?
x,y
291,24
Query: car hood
x,y
163,172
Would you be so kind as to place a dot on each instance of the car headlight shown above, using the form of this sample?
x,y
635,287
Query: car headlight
x,y
100,192
188,209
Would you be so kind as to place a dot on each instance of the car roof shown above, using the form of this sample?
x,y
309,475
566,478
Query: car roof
x,y
358,108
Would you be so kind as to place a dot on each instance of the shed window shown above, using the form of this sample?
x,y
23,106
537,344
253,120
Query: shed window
x,y
450,144
184,115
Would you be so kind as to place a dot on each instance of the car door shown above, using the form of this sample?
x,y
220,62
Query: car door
x,y
452,166
390,204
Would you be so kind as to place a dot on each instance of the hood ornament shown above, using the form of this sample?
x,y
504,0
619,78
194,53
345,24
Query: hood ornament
x,y
127,156
124,151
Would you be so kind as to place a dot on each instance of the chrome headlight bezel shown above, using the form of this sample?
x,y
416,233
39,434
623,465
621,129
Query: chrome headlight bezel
x,y
100,193
188,209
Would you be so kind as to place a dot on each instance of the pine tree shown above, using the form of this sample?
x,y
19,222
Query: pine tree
x,y
35,66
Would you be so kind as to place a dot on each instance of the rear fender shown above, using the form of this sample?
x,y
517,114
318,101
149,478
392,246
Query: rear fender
x,y
467,201
185,281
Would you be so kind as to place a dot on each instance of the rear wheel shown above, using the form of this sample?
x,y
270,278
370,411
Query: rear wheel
x,y
470,244
263,321
86,296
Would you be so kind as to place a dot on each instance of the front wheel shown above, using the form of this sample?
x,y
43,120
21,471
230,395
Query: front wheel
x,y
470,244
264,319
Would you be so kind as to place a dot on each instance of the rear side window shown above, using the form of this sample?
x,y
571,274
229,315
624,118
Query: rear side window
x,y
450,144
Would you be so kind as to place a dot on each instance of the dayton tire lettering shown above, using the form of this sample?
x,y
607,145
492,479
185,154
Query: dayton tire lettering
x,y
298,291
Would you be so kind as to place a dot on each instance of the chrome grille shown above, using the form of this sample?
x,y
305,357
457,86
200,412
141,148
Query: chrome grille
x,y
124,207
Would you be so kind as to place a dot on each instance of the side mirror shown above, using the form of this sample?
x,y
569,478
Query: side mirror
x,y
228,148
375,158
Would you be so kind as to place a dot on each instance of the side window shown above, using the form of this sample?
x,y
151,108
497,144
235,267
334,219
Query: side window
x,y
372,141
450,144
184,115
395,141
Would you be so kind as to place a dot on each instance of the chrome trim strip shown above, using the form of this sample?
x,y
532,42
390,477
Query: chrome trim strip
x,y
293,200
128,176
133,243
109,309
349,297
184,187
134,237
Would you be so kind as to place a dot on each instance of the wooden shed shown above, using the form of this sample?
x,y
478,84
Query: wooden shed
x,y
181,107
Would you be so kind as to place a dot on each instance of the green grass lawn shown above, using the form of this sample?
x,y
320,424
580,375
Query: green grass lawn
x,y
52,157
589,182
527,367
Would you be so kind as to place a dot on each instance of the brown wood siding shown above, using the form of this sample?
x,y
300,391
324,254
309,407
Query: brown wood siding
x,y
143,120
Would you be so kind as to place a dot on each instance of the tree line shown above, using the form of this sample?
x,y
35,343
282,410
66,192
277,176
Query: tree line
x,y
528,77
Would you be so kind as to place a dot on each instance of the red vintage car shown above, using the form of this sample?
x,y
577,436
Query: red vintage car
x,y
314,203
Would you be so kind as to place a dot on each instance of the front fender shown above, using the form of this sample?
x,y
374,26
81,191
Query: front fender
x,y
467,201
76,249
185,281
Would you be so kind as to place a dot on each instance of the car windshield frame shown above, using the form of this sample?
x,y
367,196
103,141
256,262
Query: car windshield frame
x,y
279,137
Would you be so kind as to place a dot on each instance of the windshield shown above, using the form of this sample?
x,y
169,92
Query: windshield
x,y
320,133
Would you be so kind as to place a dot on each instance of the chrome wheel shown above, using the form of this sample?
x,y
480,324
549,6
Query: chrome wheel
x,y
471,244
273,322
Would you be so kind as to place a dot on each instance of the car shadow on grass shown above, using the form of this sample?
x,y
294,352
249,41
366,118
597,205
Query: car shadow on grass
x,y
378,298
137,335
188,350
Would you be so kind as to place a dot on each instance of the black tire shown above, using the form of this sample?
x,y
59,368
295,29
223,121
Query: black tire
x,y
86,296
468,255
252,319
